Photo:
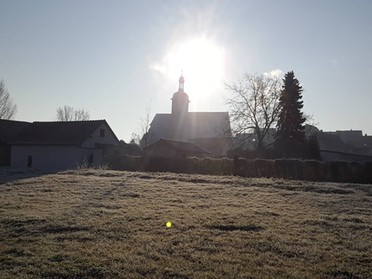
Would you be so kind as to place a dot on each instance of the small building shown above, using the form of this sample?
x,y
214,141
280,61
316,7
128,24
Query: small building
x,y
59,145
346,145
218,146
174,149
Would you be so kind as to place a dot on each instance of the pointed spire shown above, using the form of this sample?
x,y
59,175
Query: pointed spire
x,y
181,81
180,100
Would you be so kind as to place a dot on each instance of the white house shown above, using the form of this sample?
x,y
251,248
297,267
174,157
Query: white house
x,y
60,145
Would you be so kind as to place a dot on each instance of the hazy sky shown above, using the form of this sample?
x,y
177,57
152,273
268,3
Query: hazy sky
x,y
115,58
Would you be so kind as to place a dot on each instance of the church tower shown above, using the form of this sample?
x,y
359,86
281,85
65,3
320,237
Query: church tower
x,y
180,100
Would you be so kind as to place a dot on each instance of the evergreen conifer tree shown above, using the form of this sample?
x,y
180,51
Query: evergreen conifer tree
x,y
290,135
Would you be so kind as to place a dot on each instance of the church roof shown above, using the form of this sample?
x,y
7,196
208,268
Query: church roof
x,y
209,124
189,126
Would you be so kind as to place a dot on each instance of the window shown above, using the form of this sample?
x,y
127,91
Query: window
x,y
102,133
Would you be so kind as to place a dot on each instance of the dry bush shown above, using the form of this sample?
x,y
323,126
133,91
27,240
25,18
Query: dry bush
x,y
214,166
312,170
164,164
125,162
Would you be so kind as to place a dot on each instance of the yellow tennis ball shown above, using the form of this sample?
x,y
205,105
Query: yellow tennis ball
x,y
168,224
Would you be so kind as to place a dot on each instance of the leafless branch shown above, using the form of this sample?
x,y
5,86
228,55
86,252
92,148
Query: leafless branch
x,y
67,113
7,107
254,106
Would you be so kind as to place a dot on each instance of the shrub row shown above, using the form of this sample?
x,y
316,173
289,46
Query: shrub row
x,y
130,163
306,170
281,168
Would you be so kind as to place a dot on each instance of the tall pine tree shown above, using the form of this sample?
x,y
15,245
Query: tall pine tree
x,y
290,135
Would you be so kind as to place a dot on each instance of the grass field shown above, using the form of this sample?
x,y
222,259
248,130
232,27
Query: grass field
x,y
107,224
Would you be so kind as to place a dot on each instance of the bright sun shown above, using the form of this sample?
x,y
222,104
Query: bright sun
x,y
202,62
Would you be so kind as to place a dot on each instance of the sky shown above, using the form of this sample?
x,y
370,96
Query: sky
x,y
119,59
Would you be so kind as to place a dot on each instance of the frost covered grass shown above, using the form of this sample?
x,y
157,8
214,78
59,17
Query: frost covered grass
x,y
111,224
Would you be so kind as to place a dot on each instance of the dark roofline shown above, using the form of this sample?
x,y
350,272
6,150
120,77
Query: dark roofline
x,y
225,113
208,112
17,121
10,129
346,153
112,132
175,143
348,131
104,120
82,121
193,112
98,122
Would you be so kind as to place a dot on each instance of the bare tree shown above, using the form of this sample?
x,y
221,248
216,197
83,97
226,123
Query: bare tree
x,y
145,126
135,138
81,114
67,113
7,107
254,104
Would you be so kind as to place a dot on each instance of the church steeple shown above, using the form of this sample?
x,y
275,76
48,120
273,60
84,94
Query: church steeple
x,y
181,85
180,100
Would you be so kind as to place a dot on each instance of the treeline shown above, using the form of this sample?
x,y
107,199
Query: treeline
x,y
309,170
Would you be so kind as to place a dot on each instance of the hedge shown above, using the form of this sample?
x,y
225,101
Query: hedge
x,y
310,170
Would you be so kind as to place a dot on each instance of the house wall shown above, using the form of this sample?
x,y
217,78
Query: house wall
x,y
47,157
109,137
332,156
163,150
4,154
97,157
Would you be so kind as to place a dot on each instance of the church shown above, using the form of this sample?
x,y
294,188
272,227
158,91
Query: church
x,y
208,130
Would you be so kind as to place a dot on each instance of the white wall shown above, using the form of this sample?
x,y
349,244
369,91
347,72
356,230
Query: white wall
x,y
47,157
109,137
50,157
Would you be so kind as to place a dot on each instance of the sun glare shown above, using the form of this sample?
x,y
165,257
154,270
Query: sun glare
x,y
202,62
